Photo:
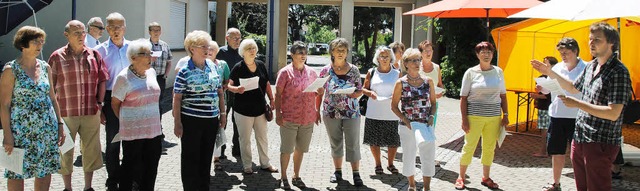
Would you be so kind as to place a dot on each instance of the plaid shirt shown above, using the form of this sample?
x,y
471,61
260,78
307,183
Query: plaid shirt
x,y
76,80
160,65
612,85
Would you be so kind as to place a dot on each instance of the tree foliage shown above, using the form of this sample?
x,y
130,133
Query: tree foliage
x,y
369,23
249,17
323,17
319,33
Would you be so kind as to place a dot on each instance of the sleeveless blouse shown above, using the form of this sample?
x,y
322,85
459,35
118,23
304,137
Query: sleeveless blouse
x,y
415,102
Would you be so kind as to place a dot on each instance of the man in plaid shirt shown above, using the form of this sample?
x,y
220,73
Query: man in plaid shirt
x,y
79,78
605,85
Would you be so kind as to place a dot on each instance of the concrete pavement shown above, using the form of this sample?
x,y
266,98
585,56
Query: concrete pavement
x,y
513,169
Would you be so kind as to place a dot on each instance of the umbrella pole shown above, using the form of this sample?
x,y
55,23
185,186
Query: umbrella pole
x,y
487,19
619,41
35,20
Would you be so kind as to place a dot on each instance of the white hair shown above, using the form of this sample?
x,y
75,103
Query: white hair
x,y
137,46
382,49
214,45
94,20
115,16
245,44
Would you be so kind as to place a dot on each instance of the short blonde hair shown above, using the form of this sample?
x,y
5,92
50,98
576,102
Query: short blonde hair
x,y
25,35
411,52
196,38
245,44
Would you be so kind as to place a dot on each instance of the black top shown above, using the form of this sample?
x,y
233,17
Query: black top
x,y
250,103
232,57
543,104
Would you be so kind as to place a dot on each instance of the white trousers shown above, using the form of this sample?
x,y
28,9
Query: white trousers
x,y
245,126
409,146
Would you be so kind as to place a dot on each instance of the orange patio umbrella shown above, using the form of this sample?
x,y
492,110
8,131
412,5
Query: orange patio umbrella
x,y
474,9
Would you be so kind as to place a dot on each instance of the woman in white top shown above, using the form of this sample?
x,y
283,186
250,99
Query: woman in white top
x,y
483,99
381,125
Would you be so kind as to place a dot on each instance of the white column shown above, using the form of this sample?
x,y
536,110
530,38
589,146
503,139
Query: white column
x,y
346,22
397,24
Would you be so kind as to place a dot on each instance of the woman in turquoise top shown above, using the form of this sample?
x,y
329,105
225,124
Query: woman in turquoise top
x,y
29,112
340,111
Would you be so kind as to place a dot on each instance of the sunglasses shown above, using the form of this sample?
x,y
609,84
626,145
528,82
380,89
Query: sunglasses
x,y
98,27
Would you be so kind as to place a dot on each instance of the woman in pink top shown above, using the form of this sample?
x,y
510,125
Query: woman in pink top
x,y
296,112
135,102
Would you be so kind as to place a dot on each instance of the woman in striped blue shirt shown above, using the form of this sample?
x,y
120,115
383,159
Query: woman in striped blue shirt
x,y
198,112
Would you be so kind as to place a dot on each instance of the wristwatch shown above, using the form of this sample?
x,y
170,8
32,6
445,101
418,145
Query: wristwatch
x,y
505,114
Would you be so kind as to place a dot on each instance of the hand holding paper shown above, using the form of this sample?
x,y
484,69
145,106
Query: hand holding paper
x,y
13,162
345,91
552,85
68,141
318,83
249,83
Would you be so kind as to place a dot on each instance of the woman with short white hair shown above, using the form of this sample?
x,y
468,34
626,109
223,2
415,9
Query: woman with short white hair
x,y
249,105
198,112
381,125
135,102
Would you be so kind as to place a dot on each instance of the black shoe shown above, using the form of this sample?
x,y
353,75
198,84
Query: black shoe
x,y
616,175
357,181
112,188
222,157
89,189
335,177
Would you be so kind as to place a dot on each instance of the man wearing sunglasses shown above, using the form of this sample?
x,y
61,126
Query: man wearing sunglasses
x,y
95,28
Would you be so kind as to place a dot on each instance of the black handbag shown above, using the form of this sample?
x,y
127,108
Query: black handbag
x,y
362,102
268,113
632,110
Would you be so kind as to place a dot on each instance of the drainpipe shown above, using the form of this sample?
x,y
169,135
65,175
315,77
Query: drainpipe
x,y
270,38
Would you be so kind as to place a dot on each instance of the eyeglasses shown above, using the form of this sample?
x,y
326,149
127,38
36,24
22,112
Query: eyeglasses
x,y
384,57
235,38
251,48
485,52
301,52
203,47
146,54
79,33
427,51
155,30
417,60
98,27
115,27
38,42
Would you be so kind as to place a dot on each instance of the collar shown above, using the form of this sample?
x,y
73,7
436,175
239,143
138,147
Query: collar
x,y
68,50
608,62
192,66
154,44
125,43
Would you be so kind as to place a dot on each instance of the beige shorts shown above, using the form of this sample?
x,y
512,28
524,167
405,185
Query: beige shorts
x,y
296,136
88,129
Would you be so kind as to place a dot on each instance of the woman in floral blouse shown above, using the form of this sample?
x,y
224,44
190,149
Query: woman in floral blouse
x,y
340,111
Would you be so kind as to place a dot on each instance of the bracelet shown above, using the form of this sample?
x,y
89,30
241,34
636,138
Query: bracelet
x,y
223,113
60,123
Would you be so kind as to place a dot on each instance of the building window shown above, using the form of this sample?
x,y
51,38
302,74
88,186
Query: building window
x,y
178,23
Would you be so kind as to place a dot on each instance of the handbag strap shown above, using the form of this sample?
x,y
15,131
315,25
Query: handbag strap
x,y
633,93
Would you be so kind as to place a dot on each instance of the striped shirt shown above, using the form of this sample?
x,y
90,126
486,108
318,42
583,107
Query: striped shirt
x,y
139,115
483,89
76,80
160,65
199,89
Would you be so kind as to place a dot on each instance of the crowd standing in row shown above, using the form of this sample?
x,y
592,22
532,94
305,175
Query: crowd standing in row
x,y
119,83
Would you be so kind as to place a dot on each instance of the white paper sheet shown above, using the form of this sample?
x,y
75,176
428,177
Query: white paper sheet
x,y
318,83
439,90
156,54
502,136
68,141
13,162
249,83
552,85
379,98
345,91
116,138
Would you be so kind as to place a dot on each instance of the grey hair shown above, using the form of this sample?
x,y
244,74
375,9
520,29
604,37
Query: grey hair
x,y
93,20
136,46
115,16
214,45
380,50
68,25
245,44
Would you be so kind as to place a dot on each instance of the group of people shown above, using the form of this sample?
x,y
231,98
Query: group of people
x,y
119,82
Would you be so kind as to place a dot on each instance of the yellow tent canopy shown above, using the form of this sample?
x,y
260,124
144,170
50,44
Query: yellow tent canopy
x,y
521,42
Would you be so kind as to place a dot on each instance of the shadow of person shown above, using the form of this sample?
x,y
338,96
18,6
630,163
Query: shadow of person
x,y
221,176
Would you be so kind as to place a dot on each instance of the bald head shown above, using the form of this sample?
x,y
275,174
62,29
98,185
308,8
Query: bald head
x,y
75,34
73,24
233,38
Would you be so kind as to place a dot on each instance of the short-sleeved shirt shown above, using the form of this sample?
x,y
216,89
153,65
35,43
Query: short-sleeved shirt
x,y
250,103
139,115
114,58
77,79
91,42
199,89
483,89
557,109
160,65
612,85
341,106
297,106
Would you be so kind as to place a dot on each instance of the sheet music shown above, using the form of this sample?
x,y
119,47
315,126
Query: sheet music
x,y
345,91
318,83
552,85
116,138
423,132
156,54
68,141
249,83
439,90
502,136
13,162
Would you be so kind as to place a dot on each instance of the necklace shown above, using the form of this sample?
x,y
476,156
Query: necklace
x,y
135,73
411,79
337,68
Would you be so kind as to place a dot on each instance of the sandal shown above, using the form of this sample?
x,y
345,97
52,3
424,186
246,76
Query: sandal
x,y
285,184
379,170
393,169
248,171
298,183
552,187
460,184
270,169
489,183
